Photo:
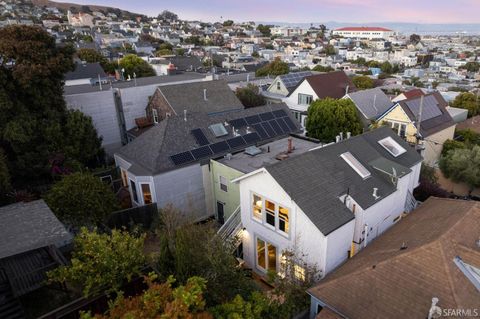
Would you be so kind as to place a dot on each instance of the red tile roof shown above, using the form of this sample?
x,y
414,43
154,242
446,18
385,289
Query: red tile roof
x,y
363,29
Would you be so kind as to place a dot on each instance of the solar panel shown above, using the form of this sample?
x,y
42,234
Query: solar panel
x,y
202,152
254,119
237,123
219,147
292,79
260,131
276,127
251,138
430,107
266,116
182,158
268,129
280,113
283,125
290,124
236,142
200,137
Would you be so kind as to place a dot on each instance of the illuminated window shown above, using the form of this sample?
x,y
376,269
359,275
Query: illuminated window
x,y
270,212
283,219
266,256
257,207
261,260
299,272
147,194
124,178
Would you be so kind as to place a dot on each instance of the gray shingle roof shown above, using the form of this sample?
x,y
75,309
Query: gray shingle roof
x,y
150,153
190,97
85,71
316,179
371,103
27,226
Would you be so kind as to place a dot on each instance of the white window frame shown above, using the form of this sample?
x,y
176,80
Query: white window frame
x,y
134,191
277,254
307,98
220,184
263,220
155,115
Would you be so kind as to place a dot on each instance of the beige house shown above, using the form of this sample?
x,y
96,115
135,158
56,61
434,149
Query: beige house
x,y
436,124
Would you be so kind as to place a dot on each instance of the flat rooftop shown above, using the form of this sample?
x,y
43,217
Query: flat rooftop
x,y
246,163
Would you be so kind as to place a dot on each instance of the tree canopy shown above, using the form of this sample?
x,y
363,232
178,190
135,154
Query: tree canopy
x,y
102,262
135,65
363,82
415,38
328,117
167,15
92,56
81,199
265,29
250,96
462,165
469,102
471,66
33,112
276,67
321,68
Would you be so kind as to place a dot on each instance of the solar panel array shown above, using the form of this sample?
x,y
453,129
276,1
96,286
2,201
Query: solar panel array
x,y
292,79
267,125
430,107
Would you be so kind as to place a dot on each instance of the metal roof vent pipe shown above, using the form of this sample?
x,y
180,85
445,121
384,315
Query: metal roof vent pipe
x,y
375,193
337,138
349,134
346,89
341,136
205,94
290,145
185,115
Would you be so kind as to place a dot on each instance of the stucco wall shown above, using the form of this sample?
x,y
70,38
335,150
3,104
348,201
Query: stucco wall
x,y
231,198
434,144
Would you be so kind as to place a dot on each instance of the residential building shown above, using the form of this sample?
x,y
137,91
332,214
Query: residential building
x,y
428,263
319,86
283,85
86,73
364,32
169,163
370,104
436,125
327,203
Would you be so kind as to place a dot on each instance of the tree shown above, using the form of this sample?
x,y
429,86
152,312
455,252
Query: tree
x,y
462,165
329,49
469,102
471,66
328,117
167,16
160,300
256,306
265,30
250,96
227,23
91,56
276,67
102,262
386,67
415,39
32,109
363,82
81,199
163,52
5,185
428,185
134,65
321,68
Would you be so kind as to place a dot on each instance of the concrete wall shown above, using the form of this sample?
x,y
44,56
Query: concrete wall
x,y
100,106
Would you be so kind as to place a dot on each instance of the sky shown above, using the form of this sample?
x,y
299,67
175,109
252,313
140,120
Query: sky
x,y
306,11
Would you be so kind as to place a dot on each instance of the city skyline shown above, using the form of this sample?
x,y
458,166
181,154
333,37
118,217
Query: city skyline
x,y
306,11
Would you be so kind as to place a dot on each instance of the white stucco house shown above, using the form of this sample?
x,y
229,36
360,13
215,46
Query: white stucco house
x,y
327,203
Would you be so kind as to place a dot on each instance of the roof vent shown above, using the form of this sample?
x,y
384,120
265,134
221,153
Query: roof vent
x,y
205,94
282,156
404,246
253,150
375,193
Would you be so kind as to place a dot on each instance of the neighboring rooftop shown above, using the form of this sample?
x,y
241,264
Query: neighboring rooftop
x,y
371,103
472,123
315,180
398,274
271,153
363,29
332,84
85,71
291,80
27,226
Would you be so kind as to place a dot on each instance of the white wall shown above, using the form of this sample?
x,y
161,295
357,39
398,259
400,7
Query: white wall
x,y
292,100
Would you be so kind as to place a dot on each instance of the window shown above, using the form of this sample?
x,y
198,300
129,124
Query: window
x,y
124,178
223,183
392,146
402,131
283,219
266,255
299,272
257,207
356,165
147,194
304,99
134,191
270,212
278,85
155,115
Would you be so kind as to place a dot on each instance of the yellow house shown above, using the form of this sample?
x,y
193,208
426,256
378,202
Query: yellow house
x,y
436,124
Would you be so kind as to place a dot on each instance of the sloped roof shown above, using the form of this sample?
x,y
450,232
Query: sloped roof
x,y
384,281
150,153
371,103
331,84
190,97
27,226
315,180
85,71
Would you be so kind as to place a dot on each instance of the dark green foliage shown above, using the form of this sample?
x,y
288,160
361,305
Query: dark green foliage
x,y
276,67
227,23
329,49
468,136
250,96
264,29
386,67
136,65
33,114
81,199
471,66
5,185
462,165
328,117
468,101
256,306
449,145
414,38
428,185
92,56
167,15
363,82
321,68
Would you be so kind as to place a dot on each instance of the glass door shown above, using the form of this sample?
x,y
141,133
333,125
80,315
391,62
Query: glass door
x,y
266,256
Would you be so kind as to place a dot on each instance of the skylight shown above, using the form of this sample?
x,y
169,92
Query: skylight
x,y
218,129
392,146
356,165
